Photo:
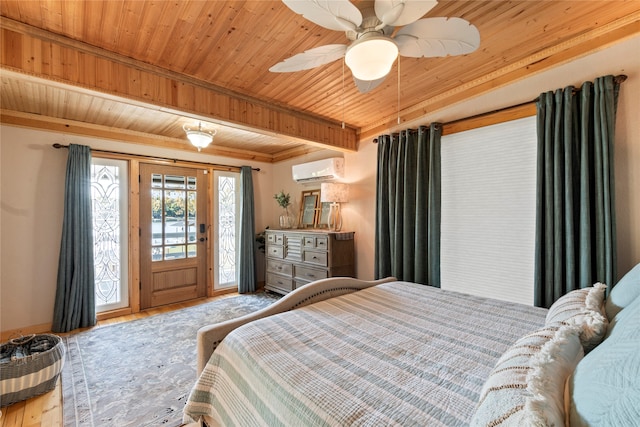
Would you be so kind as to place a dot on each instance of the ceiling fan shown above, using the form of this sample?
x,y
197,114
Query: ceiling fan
x,y
375,43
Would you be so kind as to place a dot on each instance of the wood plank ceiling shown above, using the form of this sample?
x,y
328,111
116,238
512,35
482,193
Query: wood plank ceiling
x,y
137,70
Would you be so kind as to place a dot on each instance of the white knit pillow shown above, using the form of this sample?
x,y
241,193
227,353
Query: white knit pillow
x,y
526,387
583,308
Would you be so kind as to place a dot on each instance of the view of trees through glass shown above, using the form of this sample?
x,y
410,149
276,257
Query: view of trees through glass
x,y
174,215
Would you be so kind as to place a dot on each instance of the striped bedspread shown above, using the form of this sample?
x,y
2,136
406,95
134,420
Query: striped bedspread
x,y
395,354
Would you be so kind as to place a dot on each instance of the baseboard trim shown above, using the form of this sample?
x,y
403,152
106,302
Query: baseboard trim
x,y
36,329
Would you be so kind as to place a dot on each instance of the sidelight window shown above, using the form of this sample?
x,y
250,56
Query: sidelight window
x,y
110,253
226,223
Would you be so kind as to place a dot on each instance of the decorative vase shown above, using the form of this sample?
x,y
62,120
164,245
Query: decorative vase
x,y
286,220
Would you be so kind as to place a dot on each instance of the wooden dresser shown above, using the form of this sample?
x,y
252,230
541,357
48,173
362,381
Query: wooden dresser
x,y
297,257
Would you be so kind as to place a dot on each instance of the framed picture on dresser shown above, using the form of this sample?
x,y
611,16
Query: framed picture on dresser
x,y
309,207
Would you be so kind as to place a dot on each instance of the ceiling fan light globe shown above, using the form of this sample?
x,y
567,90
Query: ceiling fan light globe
x,y
371,58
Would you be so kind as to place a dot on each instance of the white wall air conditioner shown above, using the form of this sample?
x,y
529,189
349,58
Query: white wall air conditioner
x,y
320,170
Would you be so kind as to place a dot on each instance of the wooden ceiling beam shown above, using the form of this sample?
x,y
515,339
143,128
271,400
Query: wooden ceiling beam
x,y
294,152
47,55
52,124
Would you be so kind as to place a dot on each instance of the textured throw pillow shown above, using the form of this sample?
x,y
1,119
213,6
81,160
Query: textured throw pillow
x,y
527,385
603,390
624,292
624,317
583,308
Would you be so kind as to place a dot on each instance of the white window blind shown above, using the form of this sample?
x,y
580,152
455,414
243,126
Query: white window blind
x,y
488,210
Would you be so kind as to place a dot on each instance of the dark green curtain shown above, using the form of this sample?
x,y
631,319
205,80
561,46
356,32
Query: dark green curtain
x,y
75,293
407,244
575,225
246,252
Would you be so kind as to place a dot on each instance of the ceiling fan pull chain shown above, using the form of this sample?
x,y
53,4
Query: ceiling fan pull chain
x,y
398,89
342,93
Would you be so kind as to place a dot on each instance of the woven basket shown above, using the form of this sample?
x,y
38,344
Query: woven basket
x,y
29,366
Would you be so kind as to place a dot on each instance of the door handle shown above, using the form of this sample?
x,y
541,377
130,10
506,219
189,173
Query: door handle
x,y
202,239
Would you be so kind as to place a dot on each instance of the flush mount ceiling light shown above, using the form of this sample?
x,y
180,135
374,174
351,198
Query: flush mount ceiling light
x,y
199,137
371,56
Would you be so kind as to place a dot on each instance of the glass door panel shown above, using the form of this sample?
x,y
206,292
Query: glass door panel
x,y
173,234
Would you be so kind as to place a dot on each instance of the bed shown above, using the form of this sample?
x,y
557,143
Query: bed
x,y
347,352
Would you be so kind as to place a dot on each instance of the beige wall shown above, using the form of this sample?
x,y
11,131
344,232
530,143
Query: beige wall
x,y
32,182
32,191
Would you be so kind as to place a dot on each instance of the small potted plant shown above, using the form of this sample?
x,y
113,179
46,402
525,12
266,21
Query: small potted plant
x,y
261,241
284,200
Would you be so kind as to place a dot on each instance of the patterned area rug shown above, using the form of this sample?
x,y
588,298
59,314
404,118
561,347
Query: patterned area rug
x,y
140,373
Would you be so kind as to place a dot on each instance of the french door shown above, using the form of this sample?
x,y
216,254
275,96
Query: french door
x,y
173,234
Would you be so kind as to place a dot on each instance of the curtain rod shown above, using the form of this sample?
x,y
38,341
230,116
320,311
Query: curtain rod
x,y
618,79
56,145
488,113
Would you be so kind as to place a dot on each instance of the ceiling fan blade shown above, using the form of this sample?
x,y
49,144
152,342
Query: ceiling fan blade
x,y
339,15
433,37
311,58
402,12
365,86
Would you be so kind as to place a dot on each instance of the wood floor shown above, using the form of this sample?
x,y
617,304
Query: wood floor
x,y
46,410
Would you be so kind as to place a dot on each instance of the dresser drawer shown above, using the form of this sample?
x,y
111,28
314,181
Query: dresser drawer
x,y
316,242
322,243
317,258
275,251
279,267
275,238
280,282
309,274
